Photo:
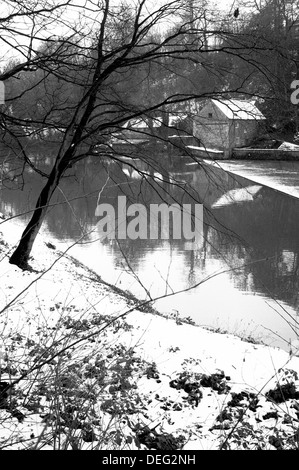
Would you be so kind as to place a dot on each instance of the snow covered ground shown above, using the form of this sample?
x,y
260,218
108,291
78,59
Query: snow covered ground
x,y
281,176
84,366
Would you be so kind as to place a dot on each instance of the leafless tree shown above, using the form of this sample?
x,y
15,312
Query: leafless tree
x,y
83,71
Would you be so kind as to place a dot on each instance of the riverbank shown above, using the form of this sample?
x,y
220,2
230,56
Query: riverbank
x,y
84,367
267,174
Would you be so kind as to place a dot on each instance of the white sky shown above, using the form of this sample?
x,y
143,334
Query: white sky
x,y
86,13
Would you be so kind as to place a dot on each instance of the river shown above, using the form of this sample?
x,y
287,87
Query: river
x,y
247,265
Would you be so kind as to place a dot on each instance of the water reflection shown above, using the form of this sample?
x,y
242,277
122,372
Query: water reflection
x,y
249,254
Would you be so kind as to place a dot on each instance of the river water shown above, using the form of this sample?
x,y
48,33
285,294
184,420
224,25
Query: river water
x,y
247,265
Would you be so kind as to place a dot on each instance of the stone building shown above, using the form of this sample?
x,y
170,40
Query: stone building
x,y
226,124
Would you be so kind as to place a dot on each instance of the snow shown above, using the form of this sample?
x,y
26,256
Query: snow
x,y
245,194
288,146
205,149
265,173
125,357
239,109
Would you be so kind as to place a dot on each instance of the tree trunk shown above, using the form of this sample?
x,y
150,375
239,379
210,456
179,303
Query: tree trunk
x,y
20,256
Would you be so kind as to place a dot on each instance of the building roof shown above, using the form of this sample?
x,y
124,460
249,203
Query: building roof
x,y
141,123
239,109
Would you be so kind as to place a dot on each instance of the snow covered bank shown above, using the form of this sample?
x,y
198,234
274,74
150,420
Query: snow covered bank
x,y
83,368
280,176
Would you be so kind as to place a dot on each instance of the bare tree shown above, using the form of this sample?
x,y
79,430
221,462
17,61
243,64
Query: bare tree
x,y
108,63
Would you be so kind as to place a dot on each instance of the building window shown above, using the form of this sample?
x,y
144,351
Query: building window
x,y
210,115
